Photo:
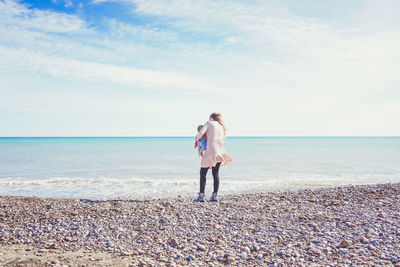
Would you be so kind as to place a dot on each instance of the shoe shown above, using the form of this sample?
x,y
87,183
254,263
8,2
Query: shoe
x,y
214,197
200,198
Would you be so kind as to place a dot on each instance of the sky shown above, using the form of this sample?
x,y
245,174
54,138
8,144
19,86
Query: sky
x,y
161,67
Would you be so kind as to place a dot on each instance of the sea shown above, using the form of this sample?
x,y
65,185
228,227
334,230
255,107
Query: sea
x,y
158,167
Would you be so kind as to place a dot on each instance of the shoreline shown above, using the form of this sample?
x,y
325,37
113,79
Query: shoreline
x,y
270,186
353,224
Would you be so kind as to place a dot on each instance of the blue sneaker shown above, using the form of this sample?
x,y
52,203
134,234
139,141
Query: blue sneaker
x,y
214,197
200,198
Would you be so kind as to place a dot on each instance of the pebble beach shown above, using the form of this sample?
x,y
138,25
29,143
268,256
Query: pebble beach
x,y
342,226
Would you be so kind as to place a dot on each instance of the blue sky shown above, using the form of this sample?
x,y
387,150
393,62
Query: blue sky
x,y
160,67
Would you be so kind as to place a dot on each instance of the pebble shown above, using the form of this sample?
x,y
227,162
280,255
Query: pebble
x,y
178,256
243,255
382,214
313,225
335,203
74,213
349,224
329,234
344,244
199,246
53,246
361,251
246,249
190,258
174,242
315,251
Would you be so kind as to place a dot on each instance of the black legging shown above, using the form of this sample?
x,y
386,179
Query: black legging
x,y
203,173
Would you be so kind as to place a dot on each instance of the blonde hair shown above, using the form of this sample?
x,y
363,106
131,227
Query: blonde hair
x,y
217,117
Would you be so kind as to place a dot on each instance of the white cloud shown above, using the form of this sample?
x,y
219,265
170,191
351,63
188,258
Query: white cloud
x,y
155,35
253,45
263,32
68,3
21,60
29,45
15,14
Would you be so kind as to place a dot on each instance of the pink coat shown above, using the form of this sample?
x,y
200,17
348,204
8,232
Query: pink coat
x,y
215,151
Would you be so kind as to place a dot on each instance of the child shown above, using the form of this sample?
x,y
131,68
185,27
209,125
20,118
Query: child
x,y
202,143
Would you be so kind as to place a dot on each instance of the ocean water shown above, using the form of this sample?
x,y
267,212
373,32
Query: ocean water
x,y
152,167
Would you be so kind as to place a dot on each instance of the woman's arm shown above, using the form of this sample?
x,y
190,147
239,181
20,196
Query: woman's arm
x,y
202,131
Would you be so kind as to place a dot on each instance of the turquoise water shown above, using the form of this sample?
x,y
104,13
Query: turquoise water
x,y
90,167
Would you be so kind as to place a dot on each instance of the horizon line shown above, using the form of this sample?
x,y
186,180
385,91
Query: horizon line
x,y
190,136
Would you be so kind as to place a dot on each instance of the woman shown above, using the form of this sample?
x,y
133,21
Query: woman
x,y
214,155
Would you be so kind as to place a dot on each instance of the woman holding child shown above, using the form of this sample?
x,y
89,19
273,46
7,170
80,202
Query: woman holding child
x,y
210,139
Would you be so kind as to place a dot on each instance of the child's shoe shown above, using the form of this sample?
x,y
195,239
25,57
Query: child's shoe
x,y
200,198
214,197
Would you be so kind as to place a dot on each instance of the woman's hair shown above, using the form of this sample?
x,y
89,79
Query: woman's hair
x,y
217,117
